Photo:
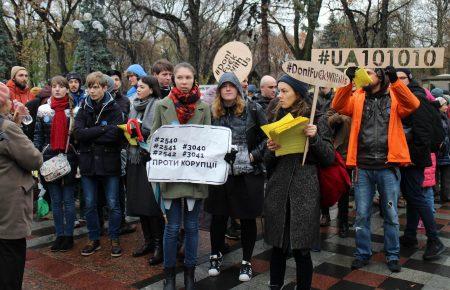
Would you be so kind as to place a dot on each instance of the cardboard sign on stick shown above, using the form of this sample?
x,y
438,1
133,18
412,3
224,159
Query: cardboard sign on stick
x,y
430,57
234,57
317,75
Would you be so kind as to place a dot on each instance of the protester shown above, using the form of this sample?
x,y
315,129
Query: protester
x,y
18,157
244,85
421,136
117,93
443,157
18,85
134,73
377,147
251,91
76,91
268,87
98,136
183,105
141,201
163,70
292,202
54,124
242,196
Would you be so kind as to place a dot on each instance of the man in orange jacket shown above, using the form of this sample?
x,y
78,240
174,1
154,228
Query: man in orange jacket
x,y
18,85
377,147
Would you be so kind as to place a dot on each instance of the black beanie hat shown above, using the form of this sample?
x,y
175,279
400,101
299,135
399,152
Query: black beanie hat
x,y
114,72
406,71
297,85
74,75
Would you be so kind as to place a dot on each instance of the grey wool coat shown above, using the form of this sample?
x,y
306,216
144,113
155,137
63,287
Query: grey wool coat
x,y
292,202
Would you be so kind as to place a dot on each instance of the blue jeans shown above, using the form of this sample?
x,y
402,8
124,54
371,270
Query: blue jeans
x,y
111,186
418,204
172,228
387,181
429,195
63,207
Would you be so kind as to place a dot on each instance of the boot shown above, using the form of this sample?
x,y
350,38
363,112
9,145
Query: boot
x,y
67,244
169,281
189,278
343,228
148,246
157,257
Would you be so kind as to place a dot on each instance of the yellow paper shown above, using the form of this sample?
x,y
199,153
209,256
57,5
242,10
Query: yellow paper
x,y
132,141
361,79
288,133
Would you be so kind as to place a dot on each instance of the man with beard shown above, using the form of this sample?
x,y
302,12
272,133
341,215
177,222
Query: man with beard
x,y
377,148
75,90
18,85
424,135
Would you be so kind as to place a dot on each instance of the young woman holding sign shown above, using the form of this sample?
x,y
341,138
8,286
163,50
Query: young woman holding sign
x,y
242,196
140,198
292,202
182,106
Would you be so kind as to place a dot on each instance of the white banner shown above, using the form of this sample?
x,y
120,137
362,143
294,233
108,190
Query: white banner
x,y
315,74
189,153
432,57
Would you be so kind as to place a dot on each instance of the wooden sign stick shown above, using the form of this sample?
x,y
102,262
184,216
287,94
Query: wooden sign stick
x,y
311,120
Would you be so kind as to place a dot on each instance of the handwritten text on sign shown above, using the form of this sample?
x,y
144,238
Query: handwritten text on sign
x,y
315,74
189,153
234,57
432,57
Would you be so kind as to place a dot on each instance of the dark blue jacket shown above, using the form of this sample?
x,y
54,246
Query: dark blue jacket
x,y
443,157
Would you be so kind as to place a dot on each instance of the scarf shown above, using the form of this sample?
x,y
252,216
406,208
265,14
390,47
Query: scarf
x,y
59,127
185,103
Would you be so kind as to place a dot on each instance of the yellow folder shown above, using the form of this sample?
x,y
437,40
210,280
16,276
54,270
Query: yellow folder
x,y
288,133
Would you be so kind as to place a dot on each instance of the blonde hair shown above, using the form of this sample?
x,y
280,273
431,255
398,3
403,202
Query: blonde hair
x,y
217,106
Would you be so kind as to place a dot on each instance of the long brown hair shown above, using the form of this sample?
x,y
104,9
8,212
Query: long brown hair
x,y
299,108
218,109
63,82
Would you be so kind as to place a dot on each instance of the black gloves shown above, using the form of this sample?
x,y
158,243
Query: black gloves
x,y
391,72
231,157
350,72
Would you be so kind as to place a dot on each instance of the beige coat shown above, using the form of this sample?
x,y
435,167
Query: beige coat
x,y
165,114
18,157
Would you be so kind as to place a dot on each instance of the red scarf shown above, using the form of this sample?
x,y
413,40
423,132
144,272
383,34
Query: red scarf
x,y
185,103
60,126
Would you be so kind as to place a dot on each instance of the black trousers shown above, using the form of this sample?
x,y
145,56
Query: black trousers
x,y
12,263
304,267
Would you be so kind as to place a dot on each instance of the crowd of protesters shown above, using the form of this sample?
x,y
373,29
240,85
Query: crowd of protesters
x,y
393,133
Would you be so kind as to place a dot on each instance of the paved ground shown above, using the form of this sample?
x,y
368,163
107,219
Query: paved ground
x,y
46,270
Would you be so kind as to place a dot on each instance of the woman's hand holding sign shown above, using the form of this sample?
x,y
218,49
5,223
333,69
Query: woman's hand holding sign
x,y
310,130
272,146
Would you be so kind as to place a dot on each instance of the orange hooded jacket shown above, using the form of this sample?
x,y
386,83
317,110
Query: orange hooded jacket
x,y
403,103
23,96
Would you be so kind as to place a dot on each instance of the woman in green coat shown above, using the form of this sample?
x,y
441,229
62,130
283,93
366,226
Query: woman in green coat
x,y
182,106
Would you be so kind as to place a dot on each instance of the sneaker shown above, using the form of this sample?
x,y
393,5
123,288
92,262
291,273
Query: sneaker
x,y
67,244
233,233
433,249
408,242
358,264
394,266
215,262
56,246
246,272
91,248
116,250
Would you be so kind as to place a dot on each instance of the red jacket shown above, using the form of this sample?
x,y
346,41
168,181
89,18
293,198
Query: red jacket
x,y
16,93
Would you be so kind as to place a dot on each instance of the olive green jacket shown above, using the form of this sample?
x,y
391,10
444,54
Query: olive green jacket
x,y
165,114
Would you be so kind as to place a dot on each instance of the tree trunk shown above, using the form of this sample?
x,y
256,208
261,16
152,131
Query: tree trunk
x,y
48,46
61,51
265,65
383,34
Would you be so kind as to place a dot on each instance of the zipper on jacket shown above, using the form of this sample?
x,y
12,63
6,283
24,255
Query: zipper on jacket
x,y
376,128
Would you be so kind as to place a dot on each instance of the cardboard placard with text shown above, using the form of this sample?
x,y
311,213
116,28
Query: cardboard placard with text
x,y
234,57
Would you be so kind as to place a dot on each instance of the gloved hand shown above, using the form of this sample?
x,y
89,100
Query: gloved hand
x,y
391,72
231,157
351,72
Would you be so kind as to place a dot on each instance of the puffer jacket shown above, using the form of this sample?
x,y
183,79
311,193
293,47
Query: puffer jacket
x,y
430,173
44,119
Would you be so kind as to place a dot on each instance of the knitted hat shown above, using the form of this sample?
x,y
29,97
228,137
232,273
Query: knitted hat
x,y
441,101
110,83
114,72
297,85
437,92
4,94
74,76
35,90
15,70
252,89
406,71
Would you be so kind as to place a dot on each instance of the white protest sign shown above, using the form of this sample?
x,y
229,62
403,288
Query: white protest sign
x,y
432,57
315,74
189,153
318,75
234,57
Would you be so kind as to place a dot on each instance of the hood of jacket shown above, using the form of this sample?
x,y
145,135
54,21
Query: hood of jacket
x,y
137,69
230,77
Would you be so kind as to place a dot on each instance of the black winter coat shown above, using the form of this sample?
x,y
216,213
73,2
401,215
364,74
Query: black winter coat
x,y
99,137
123,102
44,119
